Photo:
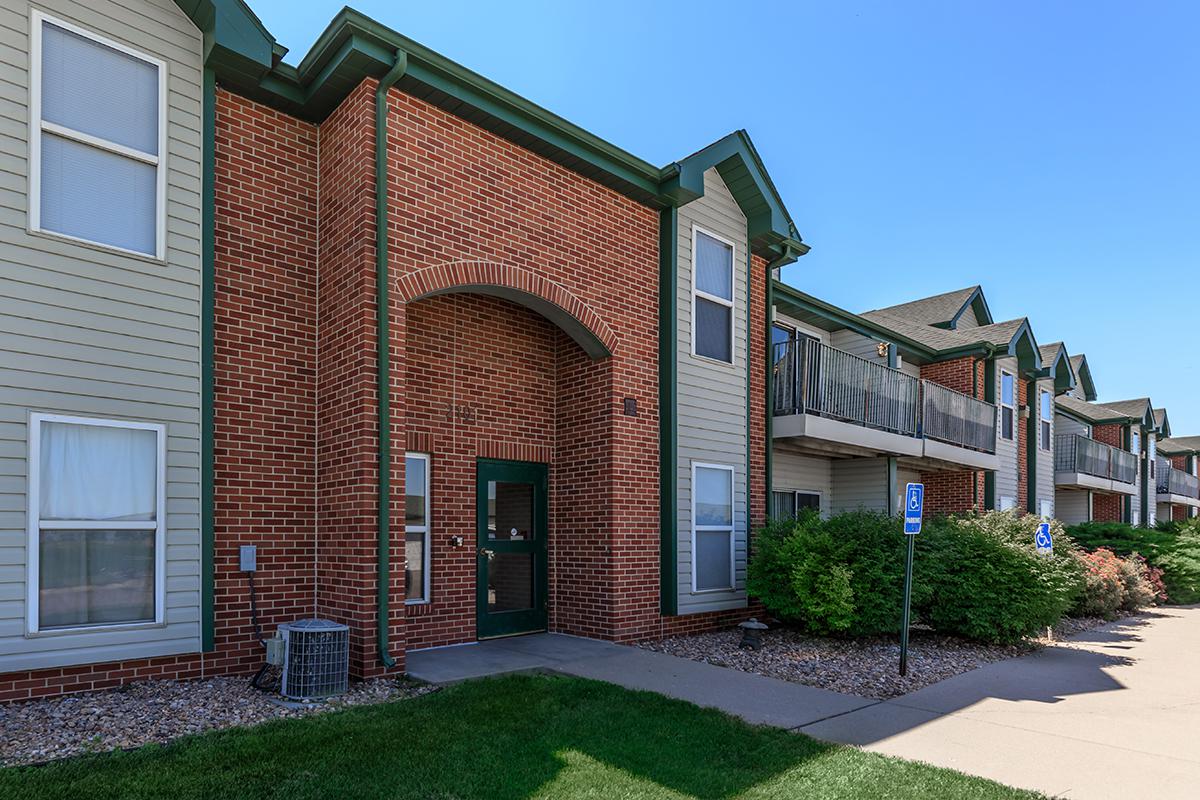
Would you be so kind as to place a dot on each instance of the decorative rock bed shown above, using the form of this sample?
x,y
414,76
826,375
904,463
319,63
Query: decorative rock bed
x,y
866,667
159,711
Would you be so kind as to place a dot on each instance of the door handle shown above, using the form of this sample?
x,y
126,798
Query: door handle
x,y
483,551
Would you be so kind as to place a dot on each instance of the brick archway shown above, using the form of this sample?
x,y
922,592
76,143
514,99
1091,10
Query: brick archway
x,y
536,292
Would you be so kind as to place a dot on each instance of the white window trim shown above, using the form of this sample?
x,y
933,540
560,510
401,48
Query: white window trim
x,y
37,126
731,303
425,529
1047,441
34,524
1012,405
731,528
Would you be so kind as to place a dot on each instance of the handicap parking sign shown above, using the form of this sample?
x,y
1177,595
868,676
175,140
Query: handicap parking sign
x,y
1043,540
914,507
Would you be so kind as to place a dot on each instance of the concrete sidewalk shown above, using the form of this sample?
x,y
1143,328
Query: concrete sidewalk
x,y
764,701
1112,713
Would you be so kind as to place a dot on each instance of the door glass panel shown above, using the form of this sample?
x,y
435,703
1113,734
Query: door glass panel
x,y
510,511
510,582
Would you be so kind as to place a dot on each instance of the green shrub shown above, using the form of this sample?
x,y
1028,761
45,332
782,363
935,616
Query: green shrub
x,y
841,575
983,578
1174,549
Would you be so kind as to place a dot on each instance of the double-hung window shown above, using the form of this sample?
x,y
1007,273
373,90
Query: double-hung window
x,y
416,527
1152,454
787,504
712,527
97,142
1008,405
1047,409
96,523
712,296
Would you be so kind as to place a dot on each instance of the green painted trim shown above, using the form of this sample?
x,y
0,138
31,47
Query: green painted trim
x,y
383,337
982,312
668,388
1032,425
989,394
770,386
1085,378
207,363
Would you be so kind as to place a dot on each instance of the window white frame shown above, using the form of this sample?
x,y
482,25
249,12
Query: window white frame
x,y
731,528
37,125
1012,405
1135,442
729,303
1152,455
1046,413
35,525
424,458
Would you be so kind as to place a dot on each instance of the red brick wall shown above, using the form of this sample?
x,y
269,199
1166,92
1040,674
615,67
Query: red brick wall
x,y
1108,507
951,492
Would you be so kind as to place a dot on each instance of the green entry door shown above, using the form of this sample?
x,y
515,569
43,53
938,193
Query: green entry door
x,y
511,510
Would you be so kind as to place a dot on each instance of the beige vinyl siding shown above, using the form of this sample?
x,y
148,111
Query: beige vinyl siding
x,y
1006,450
868,348
712,396
1045,458
89,332
859,484
968,320
1064,425
793,472
1072,507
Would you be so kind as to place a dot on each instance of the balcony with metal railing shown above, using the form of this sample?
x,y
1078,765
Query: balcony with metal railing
x,y
823,393
1083,463
1176,486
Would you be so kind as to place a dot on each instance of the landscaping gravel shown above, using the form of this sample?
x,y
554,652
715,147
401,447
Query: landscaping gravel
x,y
159,711
867,667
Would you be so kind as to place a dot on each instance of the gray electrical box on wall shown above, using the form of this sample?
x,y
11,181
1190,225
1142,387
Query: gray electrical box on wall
x,y
248,558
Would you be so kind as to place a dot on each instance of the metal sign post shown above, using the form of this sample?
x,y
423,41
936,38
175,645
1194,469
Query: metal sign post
x,y
914,507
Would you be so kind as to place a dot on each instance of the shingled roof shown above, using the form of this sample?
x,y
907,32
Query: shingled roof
x,y
1180,445
939,309
1091,412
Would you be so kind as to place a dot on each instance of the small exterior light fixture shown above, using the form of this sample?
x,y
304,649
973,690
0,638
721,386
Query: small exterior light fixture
x,y
751,634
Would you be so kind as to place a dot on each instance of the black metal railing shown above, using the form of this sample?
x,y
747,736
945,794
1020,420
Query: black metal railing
x,y
814,378
957,418
1175,481
1074,452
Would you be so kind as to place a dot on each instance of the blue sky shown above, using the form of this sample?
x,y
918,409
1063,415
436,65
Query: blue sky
x,y
1050,151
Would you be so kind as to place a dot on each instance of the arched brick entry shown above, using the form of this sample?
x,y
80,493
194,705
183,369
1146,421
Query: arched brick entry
x,y
534,291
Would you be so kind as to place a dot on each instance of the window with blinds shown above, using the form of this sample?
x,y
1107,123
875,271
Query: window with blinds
x,y
97,139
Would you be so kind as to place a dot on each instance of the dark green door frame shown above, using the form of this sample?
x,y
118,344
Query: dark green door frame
x,y
508,623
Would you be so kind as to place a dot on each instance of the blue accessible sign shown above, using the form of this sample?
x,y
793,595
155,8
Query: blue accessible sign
x,y
914,507
1043,540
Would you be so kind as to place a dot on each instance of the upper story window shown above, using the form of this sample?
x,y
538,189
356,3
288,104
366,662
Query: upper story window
x,y
712,296
97,140
1135,443
1152,448
1047,410
96,523
1008,397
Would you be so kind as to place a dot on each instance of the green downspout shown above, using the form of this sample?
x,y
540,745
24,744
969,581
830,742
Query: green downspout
x,y
207,381
892,487
989,394
1032,402
667,410
382,344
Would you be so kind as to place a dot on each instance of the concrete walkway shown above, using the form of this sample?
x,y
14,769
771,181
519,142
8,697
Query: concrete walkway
x,y
1114,713
764,701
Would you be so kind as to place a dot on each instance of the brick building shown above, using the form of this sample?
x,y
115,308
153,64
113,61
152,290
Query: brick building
x,y
443,360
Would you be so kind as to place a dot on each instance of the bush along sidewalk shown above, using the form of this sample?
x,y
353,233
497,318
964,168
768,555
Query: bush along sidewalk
x,y
1170,553
978,576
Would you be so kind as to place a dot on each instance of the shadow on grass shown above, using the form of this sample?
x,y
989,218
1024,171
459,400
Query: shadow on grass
x,y
500,739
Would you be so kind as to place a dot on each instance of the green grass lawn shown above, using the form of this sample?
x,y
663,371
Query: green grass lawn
x,y
501,739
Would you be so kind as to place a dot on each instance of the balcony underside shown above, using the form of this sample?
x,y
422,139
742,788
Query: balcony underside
x,y
1178,499
815,435
1081,480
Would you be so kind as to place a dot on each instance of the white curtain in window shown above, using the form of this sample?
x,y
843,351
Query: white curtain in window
x,y
94,89
96,472
714,267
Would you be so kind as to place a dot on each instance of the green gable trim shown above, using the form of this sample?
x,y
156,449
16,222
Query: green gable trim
x,y
975,301
769,226
1060,371
1025,349
1084,375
